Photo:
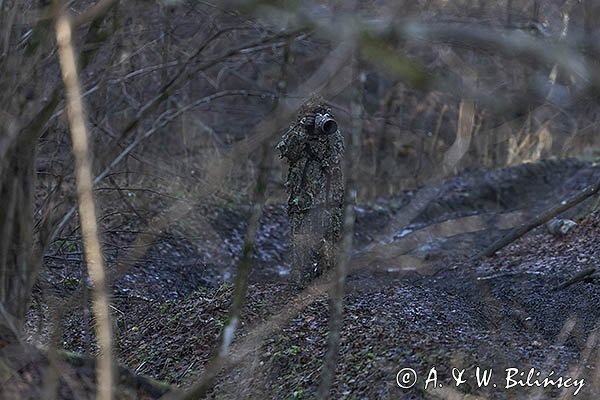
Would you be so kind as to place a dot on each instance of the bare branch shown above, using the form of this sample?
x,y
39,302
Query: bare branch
x,y
336,295
168,118
183,75
87,212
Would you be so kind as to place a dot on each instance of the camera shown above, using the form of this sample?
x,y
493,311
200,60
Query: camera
x,y
325,124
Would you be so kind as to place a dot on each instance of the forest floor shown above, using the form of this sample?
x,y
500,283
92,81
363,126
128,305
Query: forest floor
x,y
416,298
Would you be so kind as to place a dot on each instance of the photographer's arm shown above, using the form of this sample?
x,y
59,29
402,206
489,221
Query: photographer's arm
x,y
292,144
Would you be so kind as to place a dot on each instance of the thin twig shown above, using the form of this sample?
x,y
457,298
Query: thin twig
x,y
183,75
169,117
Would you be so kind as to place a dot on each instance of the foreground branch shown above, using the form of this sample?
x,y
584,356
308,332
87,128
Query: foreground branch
x,y
87,212
241,283
336,296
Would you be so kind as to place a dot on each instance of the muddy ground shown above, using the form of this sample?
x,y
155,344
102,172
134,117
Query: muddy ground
x,y
416,297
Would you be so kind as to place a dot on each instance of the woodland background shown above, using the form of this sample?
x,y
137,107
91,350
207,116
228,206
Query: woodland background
x,y
184,100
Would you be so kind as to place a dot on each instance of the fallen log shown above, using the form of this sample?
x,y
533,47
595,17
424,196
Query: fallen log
x,y
587,275
539,220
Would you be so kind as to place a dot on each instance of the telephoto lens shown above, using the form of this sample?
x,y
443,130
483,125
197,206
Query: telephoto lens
x,y
326,124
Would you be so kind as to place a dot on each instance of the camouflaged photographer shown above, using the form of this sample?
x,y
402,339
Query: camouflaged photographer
x,y
314,149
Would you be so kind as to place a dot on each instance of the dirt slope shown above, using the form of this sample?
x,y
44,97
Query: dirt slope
x,y
493,313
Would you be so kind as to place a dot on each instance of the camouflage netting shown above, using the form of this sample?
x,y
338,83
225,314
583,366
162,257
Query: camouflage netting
x,y
315,185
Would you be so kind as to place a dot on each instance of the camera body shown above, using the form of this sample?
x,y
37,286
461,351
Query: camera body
x,y
325,124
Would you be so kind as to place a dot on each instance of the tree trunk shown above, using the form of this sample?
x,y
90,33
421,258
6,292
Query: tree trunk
x,y
25,108
18,264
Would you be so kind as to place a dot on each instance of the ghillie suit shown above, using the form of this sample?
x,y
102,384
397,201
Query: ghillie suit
x,y
315,185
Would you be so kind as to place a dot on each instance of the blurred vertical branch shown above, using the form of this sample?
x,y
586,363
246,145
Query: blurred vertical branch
x,y
87,212
18,136
26,108
200,389
336,295
214,366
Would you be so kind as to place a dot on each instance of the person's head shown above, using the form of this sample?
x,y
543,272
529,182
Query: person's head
x,y
314,104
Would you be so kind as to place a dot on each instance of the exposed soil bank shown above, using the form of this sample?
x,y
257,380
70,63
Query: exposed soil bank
x,y
447,312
